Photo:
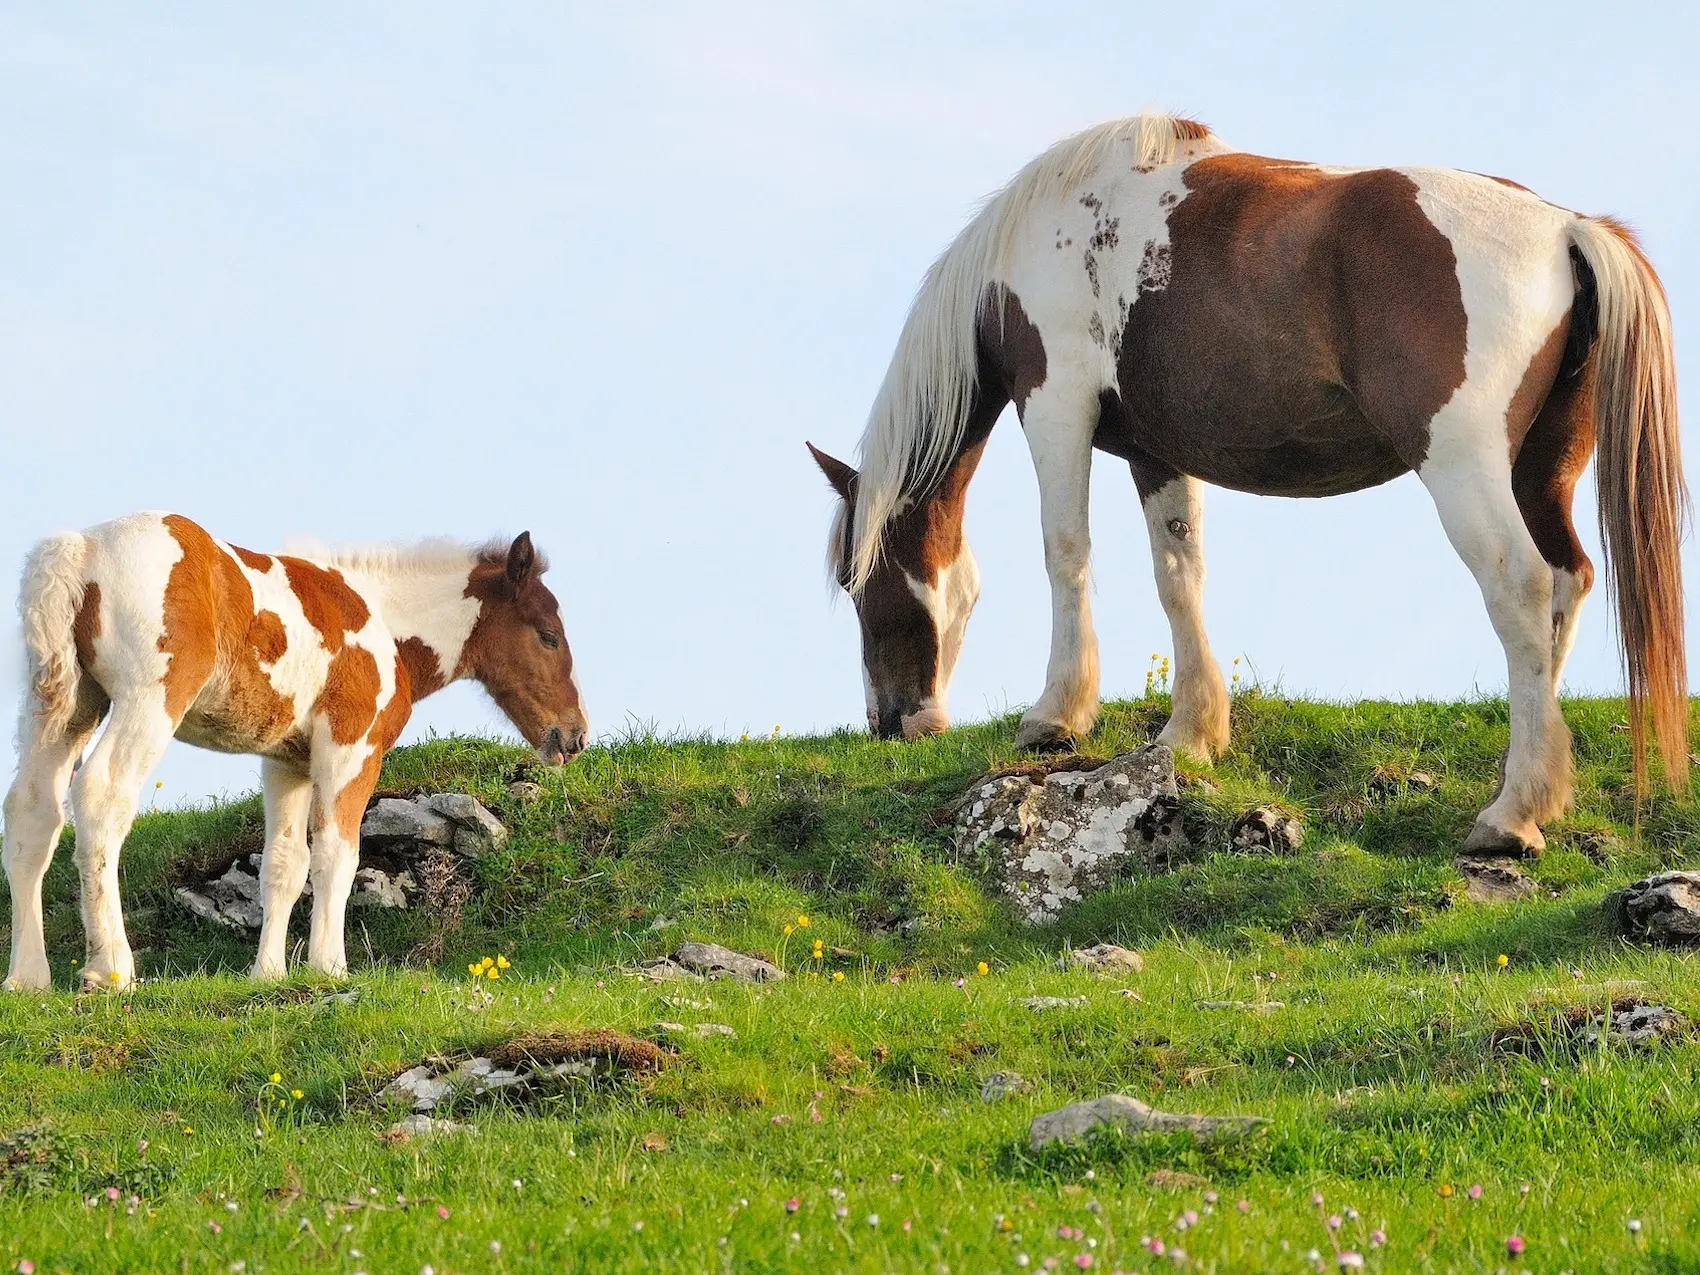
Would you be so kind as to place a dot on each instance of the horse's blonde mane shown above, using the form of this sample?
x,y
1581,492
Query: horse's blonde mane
x,y
436,555
922,406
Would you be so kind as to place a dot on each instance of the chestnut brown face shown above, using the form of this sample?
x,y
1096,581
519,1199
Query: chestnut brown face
x,y
912,612
518,651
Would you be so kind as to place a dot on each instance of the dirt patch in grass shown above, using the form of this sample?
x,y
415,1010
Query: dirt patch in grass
x,y
545,1049
88,1052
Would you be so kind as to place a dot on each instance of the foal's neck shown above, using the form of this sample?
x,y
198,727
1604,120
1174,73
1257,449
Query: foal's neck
x,y
428,612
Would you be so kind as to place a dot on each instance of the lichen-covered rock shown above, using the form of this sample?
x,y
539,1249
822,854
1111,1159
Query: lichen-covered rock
x,y
1665,906
1638,1025
999,1085
1104,958
1055,838
476,830
1264,828
1130,1116
233,898
393,819
712,961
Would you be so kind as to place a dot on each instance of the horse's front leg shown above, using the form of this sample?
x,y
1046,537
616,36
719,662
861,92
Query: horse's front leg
x,y
342,785
283,866
1059,424
1174,513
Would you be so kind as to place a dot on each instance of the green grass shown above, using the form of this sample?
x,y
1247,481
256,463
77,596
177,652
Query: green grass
x,y
1404,1059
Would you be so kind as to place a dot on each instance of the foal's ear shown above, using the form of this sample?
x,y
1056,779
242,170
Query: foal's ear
x,y
522,559
840,475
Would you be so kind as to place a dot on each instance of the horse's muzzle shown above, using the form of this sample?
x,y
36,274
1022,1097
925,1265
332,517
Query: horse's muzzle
x,y
560,745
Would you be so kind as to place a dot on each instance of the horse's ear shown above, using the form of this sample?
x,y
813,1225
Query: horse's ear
x,y
522,560
840,475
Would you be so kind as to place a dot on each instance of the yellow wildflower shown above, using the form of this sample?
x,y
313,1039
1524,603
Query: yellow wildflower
x,y
982,969
1504,960
487,962
789,928
1446,1190
492,972
802,922
474,968
275,1077
296,1094
838,976
502,963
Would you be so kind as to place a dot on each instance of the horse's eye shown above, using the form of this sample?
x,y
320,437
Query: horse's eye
x,y
550,640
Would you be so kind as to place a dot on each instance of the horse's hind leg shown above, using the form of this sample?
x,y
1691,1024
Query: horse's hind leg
x,y
283,866
1544,475
1174,512
1468,477
103,803
35,814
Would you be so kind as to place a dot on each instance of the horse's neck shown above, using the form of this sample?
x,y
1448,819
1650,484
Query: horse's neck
x,y
429,608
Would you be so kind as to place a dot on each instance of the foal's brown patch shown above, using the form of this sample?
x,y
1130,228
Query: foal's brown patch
x,y
349,700
211,627
268,638
424,669
257,561
330,605
1311,326
386,729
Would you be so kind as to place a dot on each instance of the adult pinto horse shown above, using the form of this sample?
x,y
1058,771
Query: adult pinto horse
x,y
314,665
1285,329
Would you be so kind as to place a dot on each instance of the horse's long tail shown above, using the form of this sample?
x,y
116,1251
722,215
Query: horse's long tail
x,y
48,601
1642,495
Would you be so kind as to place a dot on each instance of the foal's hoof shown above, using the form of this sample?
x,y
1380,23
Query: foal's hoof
x,y
1488,842
1044,737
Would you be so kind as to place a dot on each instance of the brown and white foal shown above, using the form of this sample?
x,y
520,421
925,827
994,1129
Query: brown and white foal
x,y
149,623
1288,329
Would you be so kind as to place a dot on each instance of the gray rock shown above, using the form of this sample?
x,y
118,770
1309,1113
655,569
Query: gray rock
x,y
1131,1116
1638,1025
702,1031
1267,829
476,830
525,790
391,819
418,1087
999,1085
1497,880
424,1126
1664,907
715,962
667,970
374,888
1051,1002
1053,839
1104,957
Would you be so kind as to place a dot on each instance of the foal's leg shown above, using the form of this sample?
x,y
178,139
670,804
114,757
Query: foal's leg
x,y
1059,422
283,867
342,784
1174,512
1472,490
34,817
103,804
1544,475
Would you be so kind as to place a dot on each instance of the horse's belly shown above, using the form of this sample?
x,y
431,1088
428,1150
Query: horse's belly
x,y
1293,466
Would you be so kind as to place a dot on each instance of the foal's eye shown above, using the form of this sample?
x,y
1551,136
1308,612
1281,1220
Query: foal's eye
x,y
550,640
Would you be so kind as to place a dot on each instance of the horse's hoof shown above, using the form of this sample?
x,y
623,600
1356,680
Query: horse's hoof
x,y
1044,737
1488,842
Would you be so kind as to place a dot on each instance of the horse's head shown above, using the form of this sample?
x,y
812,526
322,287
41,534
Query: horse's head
x,y
914,605
518,651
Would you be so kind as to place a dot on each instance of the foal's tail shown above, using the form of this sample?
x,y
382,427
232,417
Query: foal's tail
x,y
1638,472
48,601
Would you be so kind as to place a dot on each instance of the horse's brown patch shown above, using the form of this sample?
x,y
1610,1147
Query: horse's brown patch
x,y
349,700
85,627
386,729
258,561
424,669
1011,346
1310,327
209,628
1554,452
330,605
1537,380
267,637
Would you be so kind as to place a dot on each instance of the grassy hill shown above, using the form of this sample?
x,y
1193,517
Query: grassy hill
x,y
1404,1065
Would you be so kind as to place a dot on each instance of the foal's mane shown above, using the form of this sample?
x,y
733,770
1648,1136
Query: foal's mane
x,y
921,410
434,556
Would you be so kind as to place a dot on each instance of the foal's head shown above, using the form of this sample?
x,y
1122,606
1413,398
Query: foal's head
x,y
915,604
519,651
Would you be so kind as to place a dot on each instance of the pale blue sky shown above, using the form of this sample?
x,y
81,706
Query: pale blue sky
x,y
362,271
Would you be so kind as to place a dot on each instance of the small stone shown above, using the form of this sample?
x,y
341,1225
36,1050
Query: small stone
x,y
1264,828
667,970
715,962
374,888
1131,1116
1496,880
1640,1025
392,819
1051,1002
1664,907
1104,957
523,790
1421,781
1003,1084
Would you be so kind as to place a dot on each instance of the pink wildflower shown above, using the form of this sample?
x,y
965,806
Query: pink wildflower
x,y
1514,1244
793,1204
